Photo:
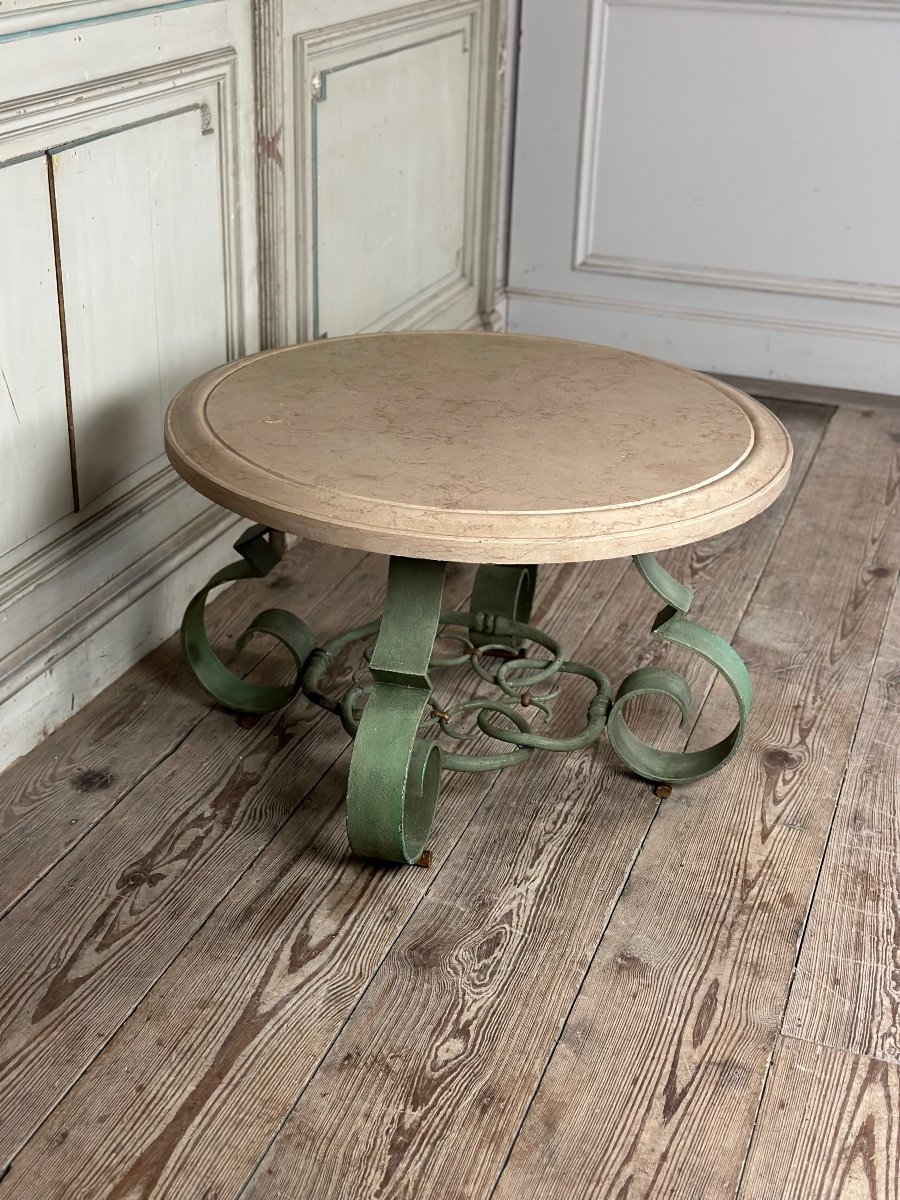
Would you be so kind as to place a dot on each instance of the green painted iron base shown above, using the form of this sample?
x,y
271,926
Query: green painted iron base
x,y
395,771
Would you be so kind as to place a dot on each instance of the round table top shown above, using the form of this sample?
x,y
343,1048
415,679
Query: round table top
x,y
474,447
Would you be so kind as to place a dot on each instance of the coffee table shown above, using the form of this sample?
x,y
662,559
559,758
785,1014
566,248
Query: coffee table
x,y
502,450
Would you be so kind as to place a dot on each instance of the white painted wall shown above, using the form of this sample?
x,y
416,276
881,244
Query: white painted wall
x,y
127,219
144,300
713,182
372,258
148,153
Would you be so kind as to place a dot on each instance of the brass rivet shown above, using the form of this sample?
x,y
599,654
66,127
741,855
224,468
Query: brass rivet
x,y
424,859
663,791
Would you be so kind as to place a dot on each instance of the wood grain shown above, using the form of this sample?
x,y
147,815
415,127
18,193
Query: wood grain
x,y
828,1129
188,1093
90,939
846,989
51,797
273,975
653,1087
424,1089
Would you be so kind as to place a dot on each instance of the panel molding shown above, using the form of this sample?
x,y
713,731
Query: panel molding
x,y
70,661
97,590
585,259
791,352
38,653
53,552
416,34
31,18
419,26
806,8
717,316
271,202
283,136
35,434
752,281
54,118
423,307
82,103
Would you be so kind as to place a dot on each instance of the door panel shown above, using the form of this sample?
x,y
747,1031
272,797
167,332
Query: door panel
x,y
34,439
141,252
389,177
713,182
735,139
379,131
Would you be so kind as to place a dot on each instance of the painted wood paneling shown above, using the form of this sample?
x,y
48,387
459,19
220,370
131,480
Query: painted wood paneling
x,y
34,440
732,138
94,591
141,252
713,183
390,134
379,136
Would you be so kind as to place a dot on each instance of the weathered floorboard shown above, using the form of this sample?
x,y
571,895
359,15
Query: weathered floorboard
x,y
185,1097
846,990
423,1090
829,1128
274,973
50,798
83,947
654,1084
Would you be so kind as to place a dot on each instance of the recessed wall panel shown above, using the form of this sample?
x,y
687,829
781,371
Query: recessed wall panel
x,y
743,138
390,136
141,249
34,441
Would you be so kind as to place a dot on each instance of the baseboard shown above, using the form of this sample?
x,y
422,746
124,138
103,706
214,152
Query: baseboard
x,y
844,358
91,596
809,393
110,599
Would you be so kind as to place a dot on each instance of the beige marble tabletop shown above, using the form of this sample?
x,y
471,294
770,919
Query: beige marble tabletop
x,y
477,447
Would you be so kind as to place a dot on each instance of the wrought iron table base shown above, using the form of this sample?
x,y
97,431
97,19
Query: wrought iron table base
x,y
395,774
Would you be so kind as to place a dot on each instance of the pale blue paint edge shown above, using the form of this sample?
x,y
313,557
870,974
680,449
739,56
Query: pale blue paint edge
x,y
116,16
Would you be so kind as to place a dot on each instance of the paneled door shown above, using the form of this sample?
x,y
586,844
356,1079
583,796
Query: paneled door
x,y
714,182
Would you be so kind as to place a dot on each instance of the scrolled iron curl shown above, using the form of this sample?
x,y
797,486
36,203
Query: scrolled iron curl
x,y
672,625
516,677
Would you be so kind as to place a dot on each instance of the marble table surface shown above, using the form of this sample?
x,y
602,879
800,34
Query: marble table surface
x,y
472,447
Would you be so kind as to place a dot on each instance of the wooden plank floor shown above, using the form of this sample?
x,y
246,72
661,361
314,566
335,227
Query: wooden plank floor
x,y
590,993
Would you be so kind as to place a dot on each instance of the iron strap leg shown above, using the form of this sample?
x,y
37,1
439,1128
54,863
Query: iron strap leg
x,y
672,625
503,592
394,776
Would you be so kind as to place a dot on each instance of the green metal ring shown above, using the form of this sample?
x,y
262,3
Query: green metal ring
x,y
258,557
672,626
